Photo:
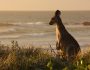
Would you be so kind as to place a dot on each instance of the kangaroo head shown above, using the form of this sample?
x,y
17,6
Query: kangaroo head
x,y
55,18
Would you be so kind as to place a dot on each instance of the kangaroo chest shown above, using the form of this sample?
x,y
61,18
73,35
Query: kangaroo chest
x,y
58,35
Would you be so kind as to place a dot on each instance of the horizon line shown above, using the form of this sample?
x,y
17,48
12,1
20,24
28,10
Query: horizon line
x,y
40,10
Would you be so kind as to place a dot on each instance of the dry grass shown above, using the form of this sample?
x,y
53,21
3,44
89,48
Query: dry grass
x,y
16,58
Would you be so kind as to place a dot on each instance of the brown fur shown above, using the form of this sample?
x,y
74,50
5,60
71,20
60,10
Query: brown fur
x,y
65,41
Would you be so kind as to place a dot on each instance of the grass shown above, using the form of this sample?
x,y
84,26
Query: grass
x,y
16,58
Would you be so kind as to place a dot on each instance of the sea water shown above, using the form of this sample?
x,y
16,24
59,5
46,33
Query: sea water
x,y
32,27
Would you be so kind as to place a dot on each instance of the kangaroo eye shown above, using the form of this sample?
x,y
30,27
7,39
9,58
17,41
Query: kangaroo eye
x,y
52,18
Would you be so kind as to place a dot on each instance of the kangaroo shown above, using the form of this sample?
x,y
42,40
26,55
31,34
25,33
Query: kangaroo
x,y
65,41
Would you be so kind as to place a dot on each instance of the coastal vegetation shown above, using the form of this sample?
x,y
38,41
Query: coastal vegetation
x,y
31,58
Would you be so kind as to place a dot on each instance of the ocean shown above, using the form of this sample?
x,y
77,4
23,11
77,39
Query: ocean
x,y
32,27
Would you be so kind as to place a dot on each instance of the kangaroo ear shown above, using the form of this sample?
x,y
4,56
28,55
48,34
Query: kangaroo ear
x,y
57,13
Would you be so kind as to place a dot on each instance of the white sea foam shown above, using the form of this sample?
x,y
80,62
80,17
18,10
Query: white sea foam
x,y
33,27
39,23
33,31
35,23
9,36
21,23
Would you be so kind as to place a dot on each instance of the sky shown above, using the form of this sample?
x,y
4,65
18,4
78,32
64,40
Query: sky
x,y
43,5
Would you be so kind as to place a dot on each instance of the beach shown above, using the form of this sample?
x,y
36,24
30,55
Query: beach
x,y
32,28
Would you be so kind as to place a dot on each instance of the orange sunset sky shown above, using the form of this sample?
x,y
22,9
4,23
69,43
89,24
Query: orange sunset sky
x,y
43,5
